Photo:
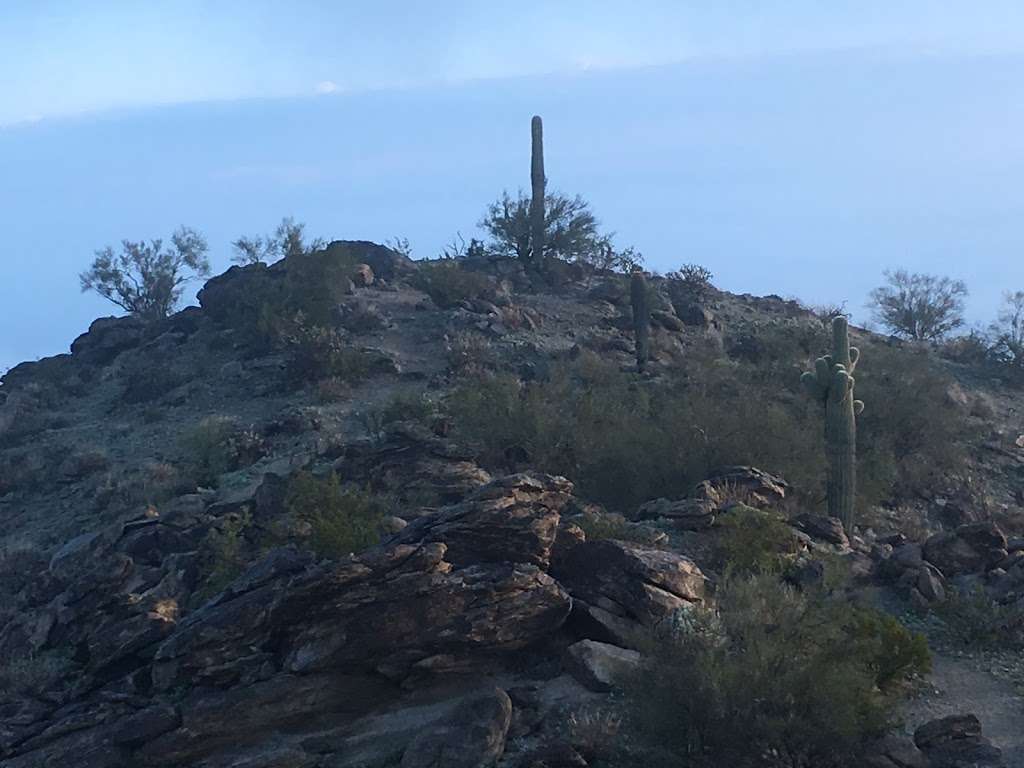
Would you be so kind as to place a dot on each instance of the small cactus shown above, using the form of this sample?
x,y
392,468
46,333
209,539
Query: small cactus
x,y
640,297
537,185
831,383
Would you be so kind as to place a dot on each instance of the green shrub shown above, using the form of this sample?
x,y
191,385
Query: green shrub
x,y
341,520
975,620
624,443
892,651
448,283
754,541
773,677
910,436
316,352
402,406
223,555
217,445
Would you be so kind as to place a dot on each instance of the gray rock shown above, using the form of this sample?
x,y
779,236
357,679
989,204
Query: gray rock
x,y
473,736
599,666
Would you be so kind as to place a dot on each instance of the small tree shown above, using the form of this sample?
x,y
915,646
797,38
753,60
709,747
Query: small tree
x,y
1008,330
917,306
288,240
147,279
570,232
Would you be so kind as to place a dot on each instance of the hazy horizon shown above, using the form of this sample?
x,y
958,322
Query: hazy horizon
x,y
804,171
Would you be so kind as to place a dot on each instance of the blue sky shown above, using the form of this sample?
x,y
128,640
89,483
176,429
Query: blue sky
x,y
796,148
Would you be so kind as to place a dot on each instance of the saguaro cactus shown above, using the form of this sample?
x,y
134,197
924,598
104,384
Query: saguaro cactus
x,y
831,383
641,300
537,184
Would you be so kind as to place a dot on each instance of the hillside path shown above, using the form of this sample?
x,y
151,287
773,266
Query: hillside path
x,y
958,686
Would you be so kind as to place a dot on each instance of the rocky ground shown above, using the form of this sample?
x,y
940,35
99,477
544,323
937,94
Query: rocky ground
x,y
484,622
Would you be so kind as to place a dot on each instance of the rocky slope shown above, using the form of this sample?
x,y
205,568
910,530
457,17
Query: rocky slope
x,y
483,621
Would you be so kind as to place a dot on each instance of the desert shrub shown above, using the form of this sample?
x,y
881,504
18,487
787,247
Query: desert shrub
x,y
402,406
317,352
360,317
223,555
469,353
892,652
288,240
448,283
754,541
972,348
147,280
974,620
217,445
773,677
623,443
341,520
917,306
909,436
690,282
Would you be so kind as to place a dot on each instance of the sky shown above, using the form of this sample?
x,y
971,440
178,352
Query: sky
x,y
796,148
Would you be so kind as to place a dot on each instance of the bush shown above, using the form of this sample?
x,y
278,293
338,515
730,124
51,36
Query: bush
x,y
469,353
691,282
288,240
909,437
919,307
754,541
977,621
448,283
218,445
148,280
223,555
774,677
146,382
402,406
624,443
316,352
341,520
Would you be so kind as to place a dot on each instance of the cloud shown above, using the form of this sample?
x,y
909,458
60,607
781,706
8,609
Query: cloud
x,y
326,86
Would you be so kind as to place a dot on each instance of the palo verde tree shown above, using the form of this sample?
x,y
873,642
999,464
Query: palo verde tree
x,y
919,307
288,240
831,383
147,279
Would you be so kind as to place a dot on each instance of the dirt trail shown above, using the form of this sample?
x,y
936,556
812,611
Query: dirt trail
x,y
958,686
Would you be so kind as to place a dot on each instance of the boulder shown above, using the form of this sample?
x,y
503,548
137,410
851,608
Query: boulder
x,y
750,484
686,514
822,528
412,462
971,548
362,275
513,519
385,263
930,584
619,588
472,736
599,666
108,337
956,742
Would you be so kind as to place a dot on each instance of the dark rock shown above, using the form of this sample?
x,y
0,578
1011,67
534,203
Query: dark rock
x,y
619,588
754,486
956,742
412,462
822,528
894,752
385,263
969,549
108,337
667,320
686,514
513,519
472,736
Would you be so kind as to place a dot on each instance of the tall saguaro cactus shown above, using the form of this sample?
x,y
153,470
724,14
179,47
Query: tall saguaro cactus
x,y
831,383
537,184
641,300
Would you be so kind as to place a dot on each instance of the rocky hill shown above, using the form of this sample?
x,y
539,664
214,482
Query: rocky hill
x,y
355,510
